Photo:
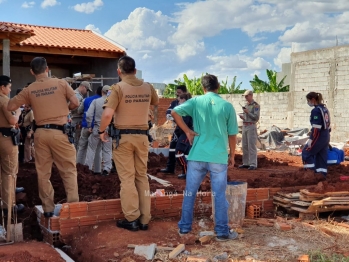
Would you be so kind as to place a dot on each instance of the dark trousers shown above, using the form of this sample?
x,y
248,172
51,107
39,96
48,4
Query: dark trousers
x,y
171,162
315,156
182,160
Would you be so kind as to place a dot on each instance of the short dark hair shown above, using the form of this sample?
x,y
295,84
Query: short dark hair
x,y
18,90
5,80
182,87
210,82
99,90
38,65
185,96
127,64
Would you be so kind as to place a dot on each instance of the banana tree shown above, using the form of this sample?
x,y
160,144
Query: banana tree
x,y
272,85
230,89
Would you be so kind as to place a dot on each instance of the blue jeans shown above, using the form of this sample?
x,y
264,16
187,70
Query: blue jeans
x,y
195,174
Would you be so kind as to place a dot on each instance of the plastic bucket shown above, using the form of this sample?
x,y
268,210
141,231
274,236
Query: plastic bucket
x,y
236,196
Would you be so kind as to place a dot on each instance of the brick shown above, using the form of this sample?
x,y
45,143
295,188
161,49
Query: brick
x,y
112,211
273,191
78,214
88,221
264,222
64,213
78,207
54,223
282,226
67,223
96,205
268,205
176,205
113,203
163,200
102,218
163,206
303,258
262,194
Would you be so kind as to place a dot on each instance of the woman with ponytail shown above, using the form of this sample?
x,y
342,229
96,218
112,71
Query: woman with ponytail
x,y
314,154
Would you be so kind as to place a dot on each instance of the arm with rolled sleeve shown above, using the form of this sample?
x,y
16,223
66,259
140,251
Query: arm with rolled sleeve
x,y
90,113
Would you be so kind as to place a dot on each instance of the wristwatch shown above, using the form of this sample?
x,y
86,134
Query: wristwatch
x,y
100,132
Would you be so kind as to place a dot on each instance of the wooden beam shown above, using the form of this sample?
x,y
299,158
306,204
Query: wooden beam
x,y
65,51
6,57
59,60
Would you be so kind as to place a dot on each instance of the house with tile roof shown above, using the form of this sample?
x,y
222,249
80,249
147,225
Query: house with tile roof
x,y
67,51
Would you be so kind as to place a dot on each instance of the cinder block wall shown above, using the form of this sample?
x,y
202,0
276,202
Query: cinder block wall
x,y
323,70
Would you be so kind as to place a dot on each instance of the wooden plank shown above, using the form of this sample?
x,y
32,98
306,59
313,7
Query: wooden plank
x,y
174,253
301,203
310,199
326,203
289,195
307,193
339,193
282,200
301,210
281,204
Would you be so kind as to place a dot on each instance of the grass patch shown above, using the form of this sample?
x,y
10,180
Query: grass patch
x,y
318,256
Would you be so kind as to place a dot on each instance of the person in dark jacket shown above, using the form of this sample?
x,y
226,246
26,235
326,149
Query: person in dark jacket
x,y
183,146
171,162
314,154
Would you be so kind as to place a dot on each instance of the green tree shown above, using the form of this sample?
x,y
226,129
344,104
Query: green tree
x,y
260,86
230,89
194,87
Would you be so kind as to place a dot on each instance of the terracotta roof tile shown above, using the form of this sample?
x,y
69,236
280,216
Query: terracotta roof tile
x,y
67,38
12,28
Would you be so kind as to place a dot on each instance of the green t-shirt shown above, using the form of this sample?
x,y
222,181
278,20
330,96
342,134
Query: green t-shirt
x,y
214,119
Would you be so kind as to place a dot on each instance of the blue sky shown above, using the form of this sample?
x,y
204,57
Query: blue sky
x,y
222,37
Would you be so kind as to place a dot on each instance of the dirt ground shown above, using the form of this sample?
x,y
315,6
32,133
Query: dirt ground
x,y
29,252
256,242
276,169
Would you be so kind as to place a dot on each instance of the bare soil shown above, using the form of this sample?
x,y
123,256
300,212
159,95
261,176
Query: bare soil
x,y
275,169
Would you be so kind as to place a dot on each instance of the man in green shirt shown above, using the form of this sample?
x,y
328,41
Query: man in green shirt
x,y
215,126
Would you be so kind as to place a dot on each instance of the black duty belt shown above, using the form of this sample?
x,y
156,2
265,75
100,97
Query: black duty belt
x,y
51,126
5,131
133,132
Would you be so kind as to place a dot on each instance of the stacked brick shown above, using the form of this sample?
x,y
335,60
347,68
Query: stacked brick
x,y
164,103
76,219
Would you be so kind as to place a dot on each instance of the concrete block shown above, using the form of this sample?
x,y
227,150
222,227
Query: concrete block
x,y
147,252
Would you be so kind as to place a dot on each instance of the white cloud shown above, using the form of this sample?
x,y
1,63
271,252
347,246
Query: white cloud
x,y
258,64
243,51
227,62
267,50
88,7
284,56
256,72
146,56
93,28
47,3
27,4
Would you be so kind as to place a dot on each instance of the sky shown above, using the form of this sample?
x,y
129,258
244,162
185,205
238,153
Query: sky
x,y
227,38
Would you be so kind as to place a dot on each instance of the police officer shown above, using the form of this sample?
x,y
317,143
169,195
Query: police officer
x,y
80,92
314,154
8,150
171,161
48,98
129,101
93,121
249,132
86,132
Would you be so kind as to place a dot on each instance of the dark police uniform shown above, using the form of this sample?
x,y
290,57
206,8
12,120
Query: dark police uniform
x,y
314,155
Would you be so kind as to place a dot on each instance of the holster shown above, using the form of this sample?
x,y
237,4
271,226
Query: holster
x,y
69,130
114,133
14,133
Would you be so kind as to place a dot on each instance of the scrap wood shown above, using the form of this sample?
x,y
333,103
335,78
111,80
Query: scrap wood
x,y
161,181
283,200
289,195
157,247
175,252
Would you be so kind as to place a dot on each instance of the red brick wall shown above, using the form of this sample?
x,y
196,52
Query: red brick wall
x,y
160,115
